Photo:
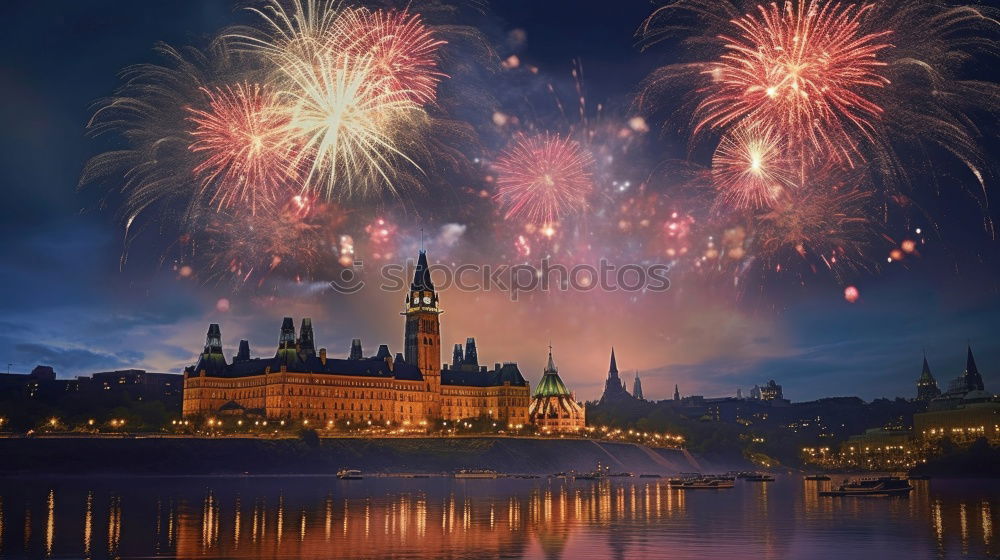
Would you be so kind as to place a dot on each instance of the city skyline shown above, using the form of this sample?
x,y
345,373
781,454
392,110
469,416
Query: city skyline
x,y
83,295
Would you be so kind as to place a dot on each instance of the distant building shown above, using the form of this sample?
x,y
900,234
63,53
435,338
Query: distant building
x,y
927,388
769,392
553,406
637,387
966,411
139,384
614,387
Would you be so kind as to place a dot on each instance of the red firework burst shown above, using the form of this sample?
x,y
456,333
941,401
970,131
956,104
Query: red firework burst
x,y
543,177
244,140
403,51
750,167
807,67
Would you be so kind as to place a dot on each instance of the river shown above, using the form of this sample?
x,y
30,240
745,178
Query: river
x,y
322,517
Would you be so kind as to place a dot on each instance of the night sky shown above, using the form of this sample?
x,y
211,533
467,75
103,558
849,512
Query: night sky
x,y
67,300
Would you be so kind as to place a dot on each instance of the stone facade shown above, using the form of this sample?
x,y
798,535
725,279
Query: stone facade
x,y
299,384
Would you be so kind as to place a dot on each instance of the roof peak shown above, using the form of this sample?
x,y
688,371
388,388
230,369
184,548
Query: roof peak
x,y
422,274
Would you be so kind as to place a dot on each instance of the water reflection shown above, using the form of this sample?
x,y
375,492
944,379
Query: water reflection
x,y
375,518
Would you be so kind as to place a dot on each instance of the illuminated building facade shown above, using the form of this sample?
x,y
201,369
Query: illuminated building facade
x,y
553,406
302,384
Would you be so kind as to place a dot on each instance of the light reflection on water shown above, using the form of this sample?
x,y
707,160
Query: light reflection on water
x,y
308,517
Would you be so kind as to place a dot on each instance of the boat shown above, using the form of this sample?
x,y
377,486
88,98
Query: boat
x,y
349,474
817,477
620,475
726,476
920,477
476,473
880,486
758,477
703,483
681,478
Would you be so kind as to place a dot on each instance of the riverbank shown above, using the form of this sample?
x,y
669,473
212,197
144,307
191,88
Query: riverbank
x,y
203,456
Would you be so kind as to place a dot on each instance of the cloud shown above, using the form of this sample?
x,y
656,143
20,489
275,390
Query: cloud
x,y
451,234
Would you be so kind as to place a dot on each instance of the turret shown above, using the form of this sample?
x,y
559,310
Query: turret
x,y
471,355
213,341
243,355
383,352
457,356
356,351
287,345
306,340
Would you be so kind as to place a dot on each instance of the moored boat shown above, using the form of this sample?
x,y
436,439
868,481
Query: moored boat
x,y
349,474
881,486
703,483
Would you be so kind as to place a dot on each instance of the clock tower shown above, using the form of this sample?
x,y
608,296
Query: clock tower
x,y
422,342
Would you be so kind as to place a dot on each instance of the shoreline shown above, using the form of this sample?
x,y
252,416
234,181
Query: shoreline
x,y
176,457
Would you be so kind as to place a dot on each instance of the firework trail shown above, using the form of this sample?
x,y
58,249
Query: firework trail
x,y
542,177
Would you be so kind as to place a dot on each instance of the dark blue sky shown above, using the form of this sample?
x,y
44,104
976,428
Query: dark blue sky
x,y
65,301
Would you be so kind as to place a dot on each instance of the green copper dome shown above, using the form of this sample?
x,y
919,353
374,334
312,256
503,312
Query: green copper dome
x,y
551,384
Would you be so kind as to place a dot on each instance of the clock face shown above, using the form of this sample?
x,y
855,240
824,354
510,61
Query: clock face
x,y
427,300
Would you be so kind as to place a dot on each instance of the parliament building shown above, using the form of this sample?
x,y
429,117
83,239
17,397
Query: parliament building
x,y
410,388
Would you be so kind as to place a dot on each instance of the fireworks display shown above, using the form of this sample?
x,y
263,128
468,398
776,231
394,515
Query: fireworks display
x,y
806,67
751,166
807,101
541,178
403,51
246,146
324,132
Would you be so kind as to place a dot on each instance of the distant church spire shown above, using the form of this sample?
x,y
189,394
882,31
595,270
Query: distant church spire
x,y
927,387
973,380
677,393
614,387
637,387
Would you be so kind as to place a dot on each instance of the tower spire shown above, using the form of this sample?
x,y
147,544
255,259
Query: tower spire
x,y
973,380
613,369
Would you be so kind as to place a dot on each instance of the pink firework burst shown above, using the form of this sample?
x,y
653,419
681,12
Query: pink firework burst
x,y
543,177
403,51
244,140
